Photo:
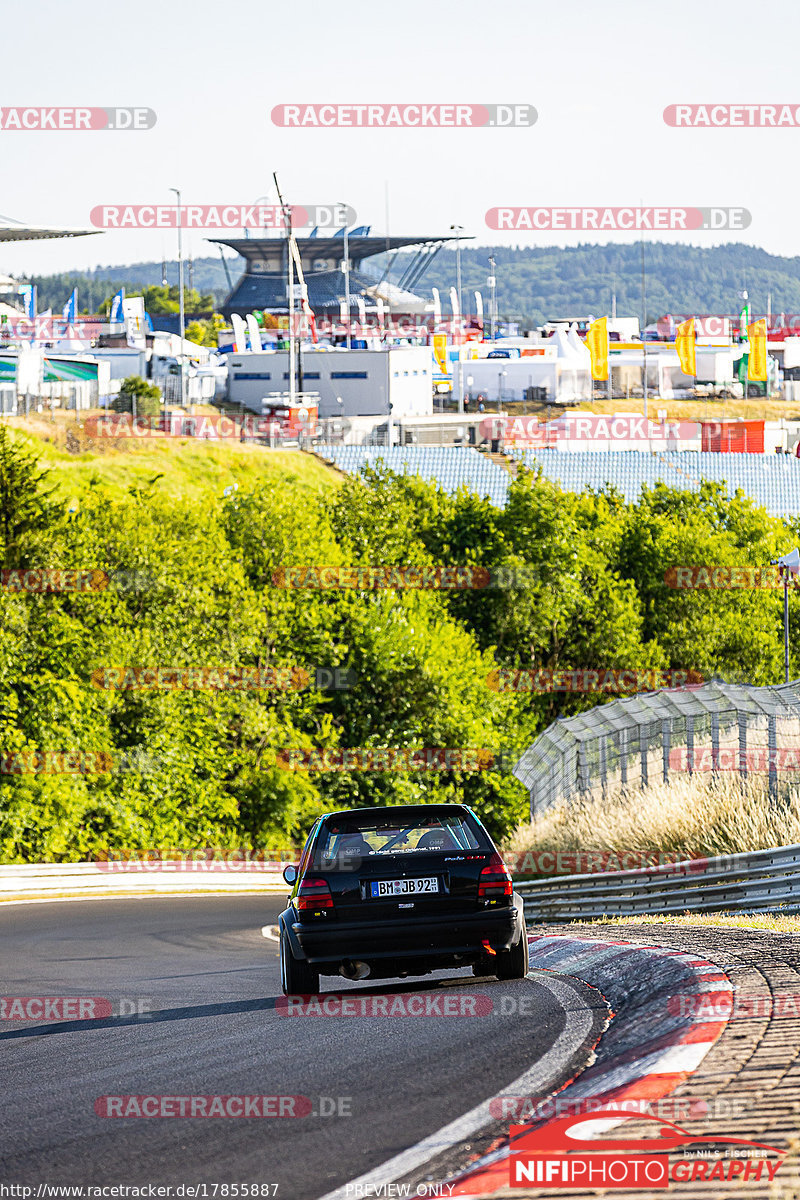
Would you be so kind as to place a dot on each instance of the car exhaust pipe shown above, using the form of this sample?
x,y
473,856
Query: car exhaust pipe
x,y
354,970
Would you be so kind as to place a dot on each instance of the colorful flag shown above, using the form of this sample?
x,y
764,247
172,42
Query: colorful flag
x,y
685,346
70,312
456,316
744,317
757,358
437,309
597,345
29,292
440,352
115,315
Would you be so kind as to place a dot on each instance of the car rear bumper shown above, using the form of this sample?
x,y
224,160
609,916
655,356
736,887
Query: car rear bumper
x,y
437,937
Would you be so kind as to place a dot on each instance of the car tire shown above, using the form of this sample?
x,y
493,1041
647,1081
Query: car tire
x,y
298,978
513,963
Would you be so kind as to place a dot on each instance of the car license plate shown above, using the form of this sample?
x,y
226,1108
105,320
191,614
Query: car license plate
x,y
403,887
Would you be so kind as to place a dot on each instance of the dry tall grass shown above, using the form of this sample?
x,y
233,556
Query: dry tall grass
x,y
689,818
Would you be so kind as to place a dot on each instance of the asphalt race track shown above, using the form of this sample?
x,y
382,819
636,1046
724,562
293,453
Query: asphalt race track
x,y
205,982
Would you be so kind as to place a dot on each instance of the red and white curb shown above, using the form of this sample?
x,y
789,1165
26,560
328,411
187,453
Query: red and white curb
x,y
648,1049
663,1046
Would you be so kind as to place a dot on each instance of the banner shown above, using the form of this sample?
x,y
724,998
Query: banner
x,y
252,329
440,352
133,316
757,358
685,347
70,311
239,336
597,345
115,315
437,309
744,317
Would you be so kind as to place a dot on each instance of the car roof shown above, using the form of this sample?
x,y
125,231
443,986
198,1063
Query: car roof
x,y
397,809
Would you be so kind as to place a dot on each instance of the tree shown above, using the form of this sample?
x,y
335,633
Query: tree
x,y
204,333
139,396
165,301
25,510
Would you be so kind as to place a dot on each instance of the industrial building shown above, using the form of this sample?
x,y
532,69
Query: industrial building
x,y
350,383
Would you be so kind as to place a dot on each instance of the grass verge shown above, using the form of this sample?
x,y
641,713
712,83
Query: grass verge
x,y
694,817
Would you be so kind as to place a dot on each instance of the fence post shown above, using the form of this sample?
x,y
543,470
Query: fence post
x,y
715,743
644,731
603,764
772,739
666,730
690,745
583,772
742,722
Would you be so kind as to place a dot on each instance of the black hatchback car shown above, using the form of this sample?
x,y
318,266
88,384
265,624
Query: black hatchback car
x,y
387,892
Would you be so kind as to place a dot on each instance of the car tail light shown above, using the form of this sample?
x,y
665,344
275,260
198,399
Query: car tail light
x,y
495,880
314,893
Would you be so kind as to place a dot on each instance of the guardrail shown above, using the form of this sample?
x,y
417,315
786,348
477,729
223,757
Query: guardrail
x,y
762,881
31,880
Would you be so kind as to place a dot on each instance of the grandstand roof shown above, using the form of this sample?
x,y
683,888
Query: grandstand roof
x,y
358,248
15,231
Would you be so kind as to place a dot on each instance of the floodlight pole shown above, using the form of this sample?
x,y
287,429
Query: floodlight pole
x,y
347,283
459,229
644,335
785,573
286,212
182,316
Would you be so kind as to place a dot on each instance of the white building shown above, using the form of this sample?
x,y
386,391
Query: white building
x,y
562,370
350,383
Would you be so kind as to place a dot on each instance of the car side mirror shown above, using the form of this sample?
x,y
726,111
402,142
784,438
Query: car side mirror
x,y
290,873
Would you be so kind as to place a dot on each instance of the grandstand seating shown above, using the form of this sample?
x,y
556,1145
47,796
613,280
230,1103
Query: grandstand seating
x,y
772,480
449,466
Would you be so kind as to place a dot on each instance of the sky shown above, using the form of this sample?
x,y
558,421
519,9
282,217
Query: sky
x,y
599,76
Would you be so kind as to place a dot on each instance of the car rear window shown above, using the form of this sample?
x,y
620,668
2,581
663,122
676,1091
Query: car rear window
x,y
360,837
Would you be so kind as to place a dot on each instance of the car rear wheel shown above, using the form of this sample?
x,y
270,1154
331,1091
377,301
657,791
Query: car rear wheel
x,y
298,978
513,963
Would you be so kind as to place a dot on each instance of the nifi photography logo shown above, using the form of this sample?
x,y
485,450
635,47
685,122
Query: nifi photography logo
x,y
565,1154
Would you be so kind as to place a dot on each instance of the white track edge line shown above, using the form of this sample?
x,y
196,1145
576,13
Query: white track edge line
x,y
529,1083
